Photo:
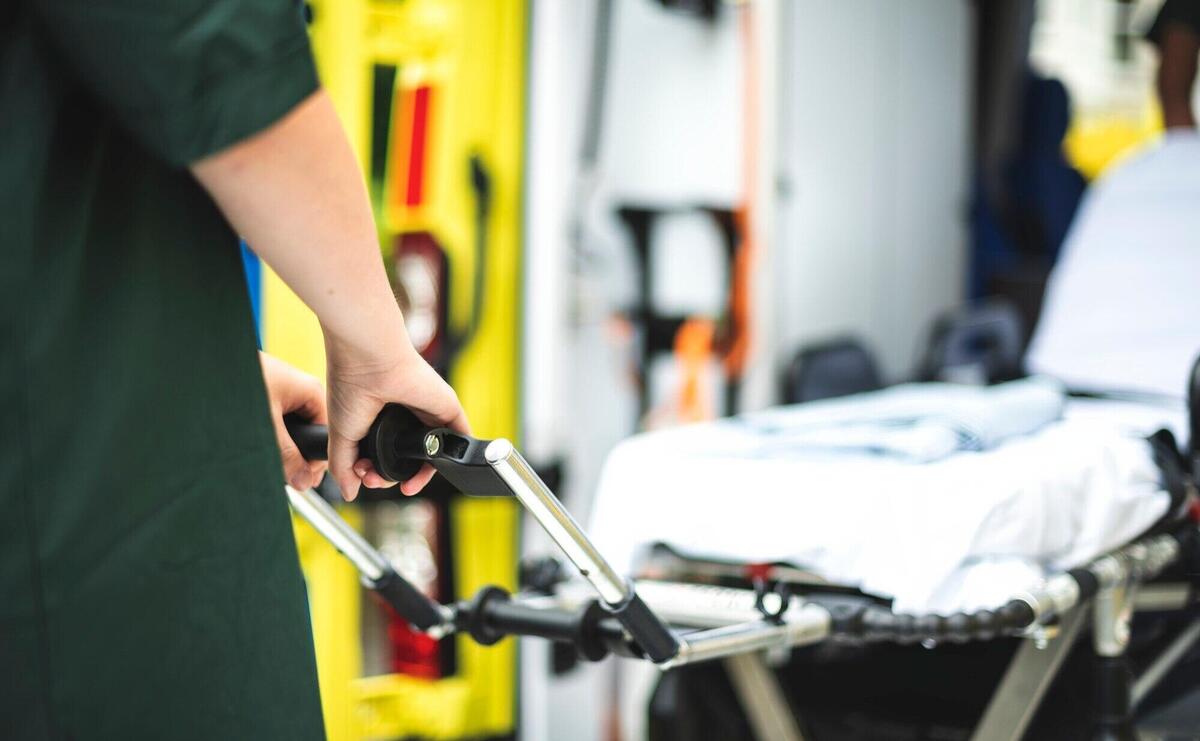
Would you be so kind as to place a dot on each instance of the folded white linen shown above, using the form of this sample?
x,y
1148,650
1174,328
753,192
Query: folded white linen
x,y
929,535
918,422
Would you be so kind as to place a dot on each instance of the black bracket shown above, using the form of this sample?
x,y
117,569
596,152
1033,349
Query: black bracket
x,y
780,589
398,444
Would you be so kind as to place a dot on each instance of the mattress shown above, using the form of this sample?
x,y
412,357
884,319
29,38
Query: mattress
x,y
964,528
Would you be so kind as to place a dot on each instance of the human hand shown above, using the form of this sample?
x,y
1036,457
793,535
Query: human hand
x,y
359,385
290,390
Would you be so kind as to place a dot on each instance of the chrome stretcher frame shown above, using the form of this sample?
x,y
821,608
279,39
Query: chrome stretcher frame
x,y
676,624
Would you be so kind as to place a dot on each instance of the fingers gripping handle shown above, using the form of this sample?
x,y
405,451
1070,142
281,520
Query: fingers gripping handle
x,y
398,444
395,443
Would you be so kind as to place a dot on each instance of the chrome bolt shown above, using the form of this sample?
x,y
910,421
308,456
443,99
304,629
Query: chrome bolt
x,y
432,444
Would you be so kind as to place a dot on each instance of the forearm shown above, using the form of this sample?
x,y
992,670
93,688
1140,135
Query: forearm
x,y
296,194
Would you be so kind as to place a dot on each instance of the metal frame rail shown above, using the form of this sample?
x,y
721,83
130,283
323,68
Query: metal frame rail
x,y
634,620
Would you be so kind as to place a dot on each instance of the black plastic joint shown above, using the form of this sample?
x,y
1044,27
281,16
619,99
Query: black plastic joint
x,y
959,627
476,621
589,643
779,589
1088,584
986,625
1015,616
654,638
847,622
409,602
398,444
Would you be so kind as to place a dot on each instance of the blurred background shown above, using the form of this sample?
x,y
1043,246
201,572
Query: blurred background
x,y
607,216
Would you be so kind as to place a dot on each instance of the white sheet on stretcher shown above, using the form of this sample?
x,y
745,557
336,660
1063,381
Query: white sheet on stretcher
x,y
963,532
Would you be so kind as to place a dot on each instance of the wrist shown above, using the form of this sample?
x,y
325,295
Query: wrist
x,y
372,346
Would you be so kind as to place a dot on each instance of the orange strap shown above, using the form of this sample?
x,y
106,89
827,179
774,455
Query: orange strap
x,y
693,348
737,345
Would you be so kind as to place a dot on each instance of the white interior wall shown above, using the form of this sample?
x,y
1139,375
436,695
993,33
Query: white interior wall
x,y
673,126
554,423
560,38
671,135
863,219
874,148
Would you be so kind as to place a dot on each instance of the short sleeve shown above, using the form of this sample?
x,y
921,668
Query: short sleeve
x,y
187,77
1172,12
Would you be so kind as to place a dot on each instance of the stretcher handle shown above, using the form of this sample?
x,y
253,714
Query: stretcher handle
x,y
394,444
398,444
377,573
409,602
311,439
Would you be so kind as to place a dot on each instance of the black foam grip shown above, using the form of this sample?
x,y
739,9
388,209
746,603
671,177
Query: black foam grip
x,y
409,602
872,623
311,439
654,638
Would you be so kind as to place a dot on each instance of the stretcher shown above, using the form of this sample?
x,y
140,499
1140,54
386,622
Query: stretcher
x,y
941,498
673,621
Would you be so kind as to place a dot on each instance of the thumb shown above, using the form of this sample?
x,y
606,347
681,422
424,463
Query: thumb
x,y
343,452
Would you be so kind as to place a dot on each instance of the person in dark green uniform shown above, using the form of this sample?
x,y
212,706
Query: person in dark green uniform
x,y
149,584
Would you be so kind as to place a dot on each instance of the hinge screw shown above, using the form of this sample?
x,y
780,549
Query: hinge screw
x,y
432,444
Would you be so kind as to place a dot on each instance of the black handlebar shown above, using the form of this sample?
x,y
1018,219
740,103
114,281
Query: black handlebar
x,y
311,439
409,602
394,444
398,444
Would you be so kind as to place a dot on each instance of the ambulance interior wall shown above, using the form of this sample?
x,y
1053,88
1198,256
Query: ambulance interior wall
x,y
867,236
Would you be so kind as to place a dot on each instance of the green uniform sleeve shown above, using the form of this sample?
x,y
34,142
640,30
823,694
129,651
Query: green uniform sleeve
x,y
187,77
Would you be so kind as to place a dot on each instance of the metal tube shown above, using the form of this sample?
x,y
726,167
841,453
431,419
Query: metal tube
x,y
1165,662
537,498
761,696
1111,619
707,606
682,604
812,625
317,512
1025,683
1133,563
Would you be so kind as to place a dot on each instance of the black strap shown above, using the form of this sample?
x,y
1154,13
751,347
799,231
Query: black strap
x,y
1176,476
